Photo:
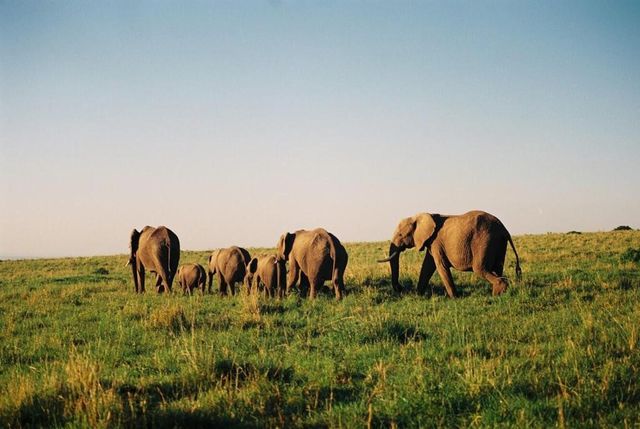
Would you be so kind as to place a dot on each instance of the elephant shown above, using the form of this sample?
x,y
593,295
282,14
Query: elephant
x,y
156,250
475,241
230,266
192,276
314,257
270,272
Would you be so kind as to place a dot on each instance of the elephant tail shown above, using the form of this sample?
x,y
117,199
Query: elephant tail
x,y
518,270
334,257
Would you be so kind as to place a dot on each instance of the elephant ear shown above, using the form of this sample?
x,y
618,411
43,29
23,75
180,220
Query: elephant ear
x,y
245,255
212,261
253,265
284,245
424,229
134,241
288,243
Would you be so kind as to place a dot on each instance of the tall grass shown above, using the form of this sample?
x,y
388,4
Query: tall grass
x,y
560,348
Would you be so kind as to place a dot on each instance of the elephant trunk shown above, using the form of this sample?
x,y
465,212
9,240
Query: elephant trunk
x,y
394,263
248,280
134,241
134,271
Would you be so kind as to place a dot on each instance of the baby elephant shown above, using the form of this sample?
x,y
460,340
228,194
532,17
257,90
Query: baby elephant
x,y
267,271
191,276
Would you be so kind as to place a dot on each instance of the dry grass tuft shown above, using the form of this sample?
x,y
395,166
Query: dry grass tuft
x,y
250,308
171,317
86,395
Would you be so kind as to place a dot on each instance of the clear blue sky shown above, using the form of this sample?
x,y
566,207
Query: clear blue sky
x,y
232,122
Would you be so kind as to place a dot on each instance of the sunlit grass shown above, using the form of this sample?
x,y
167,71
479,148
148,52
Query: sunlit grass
x,y
560,348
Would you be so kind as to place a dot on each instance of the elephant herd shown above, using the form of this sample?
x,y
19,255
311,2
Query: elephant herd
x,y
475,241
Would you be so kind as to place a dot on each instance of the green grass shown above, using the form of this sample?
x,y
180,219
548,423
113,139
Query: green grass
x,y
79,349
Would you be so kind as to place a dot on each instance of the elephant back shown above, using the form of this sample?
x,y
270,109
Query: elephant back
x,y
232,263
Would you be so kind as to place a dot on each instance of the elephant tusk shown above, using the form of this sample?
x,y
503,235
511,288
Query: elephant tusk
x,y
393,255
128,263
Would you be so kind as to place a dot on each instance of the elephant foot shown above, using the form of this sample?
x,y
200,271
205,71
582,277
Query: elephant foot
x,y
422,289
499,287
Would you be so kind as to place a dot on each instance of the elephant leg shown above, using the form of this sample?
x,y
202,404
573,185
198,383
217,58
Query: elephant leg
x,y
272,290
498,266
167,279
304,284
499,284
262,288
256,289
343,289
141,279
338,284
223,285
490,266
316,284
447,279
209,281
427,270
292,279
159,286
280,292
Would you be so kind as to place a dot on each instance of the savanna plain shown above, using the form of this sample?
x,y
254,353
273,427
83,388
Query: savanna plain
x,y
78,348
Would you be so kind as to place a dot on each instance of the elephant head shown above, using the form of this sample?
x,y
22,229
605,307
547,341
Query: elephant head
x,y
284,246
411,232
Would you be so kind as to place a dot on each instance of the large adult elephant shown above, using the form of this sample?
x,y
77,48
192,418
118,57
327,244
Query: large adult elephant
x,y
230,266
156,250
314,257
475,241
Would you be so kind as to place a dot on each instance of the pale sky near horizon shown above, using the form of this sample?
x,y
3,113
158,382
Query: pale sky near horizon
x,y
232,122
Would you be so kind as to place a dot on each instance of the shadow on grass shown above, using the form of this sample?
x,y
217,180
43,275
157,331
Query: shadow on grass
x,y
147,406
40,411
397,332
463,290
273,307
625,283
228,370
196,419
84,278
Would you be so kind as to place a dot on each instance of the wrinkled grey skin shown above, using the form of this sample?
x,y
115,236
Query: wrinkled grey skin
x,y
156,250
230,266
314,257
475,241
192,276
268,272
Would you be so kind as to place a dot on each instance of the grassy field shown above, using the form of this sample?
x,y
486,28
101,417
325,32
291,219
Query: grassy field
x,y
78,348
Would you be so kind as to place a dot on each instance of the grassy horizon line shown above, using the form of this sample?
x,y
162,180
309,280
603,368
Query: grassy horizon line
x,y
515,237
